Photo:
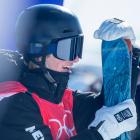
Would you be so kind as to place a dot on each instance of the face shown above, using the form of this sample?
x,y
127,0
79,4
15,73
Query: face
x,y
59,65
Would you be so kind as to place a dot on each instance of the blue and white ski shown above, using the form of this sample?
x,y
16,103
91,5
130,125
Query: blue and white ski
x,y
116,65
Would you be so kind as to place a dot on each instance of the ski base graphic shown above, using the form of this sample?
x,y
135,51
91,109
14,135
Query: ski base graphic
x,y
116,63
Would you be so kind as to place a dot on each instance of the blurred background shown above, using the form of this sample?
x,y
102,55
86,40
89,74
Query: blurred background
x,y
87,75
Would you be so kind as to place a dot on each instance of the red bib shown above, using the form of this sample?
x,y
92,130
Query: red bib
x,y
58,117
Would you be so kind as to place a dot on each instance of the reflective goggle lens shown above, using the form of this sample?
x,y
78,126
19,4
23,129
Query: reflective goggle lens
x,y
70,48
64,49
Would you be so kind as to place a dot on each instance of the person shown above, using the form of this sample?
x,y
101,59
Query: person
x,y
38,105
135,133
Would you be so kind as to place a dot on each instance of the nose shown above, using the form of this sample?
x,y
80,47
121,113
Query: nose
x,y
76,59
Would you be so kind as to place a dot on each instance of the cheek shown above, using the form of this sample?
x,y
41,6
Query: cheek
x,y
56,65
59,66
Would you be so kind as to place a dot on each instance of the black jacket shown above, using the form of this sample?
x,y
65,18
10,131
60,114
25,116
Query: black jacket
x,y
136,132
20,112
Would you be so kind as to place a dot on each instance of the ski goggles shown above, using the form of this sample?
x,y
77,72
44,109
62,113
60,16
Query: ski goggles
x,y
65,49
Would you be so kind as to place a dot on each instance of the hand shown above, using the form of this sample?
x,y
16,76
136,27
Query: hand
x,y
94,94
115,120
113,29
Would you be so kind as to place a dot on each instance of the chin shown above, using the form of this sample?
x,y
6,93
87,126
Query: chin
x,y
67,70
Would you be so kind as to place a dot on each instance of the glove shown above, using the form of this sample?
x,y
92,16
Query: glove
x,y
113,121
113,29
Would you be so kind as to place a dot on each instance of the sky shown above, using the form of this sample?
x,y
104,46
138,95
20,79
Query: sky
x,y
93,12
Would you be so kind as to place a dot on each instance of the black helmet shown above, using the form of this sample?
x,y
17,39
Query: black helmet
x,y
45,28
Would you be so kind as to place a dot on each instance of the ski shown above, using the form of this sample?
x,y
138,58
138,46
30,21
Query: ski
x,y
116,65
